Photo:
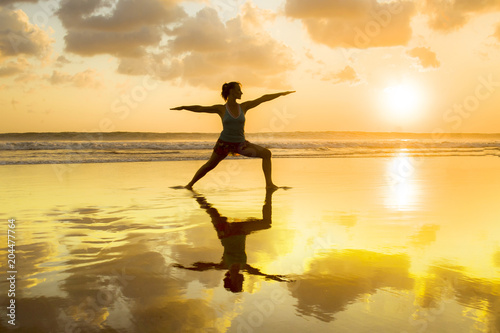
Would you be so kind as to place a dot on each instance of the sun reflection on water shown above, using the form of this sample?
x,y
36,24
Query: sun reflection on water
x,y
402,194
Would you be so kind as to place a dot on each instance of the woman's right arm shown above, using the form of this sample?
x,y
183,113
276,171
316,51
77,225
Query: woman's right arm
x,y
198,108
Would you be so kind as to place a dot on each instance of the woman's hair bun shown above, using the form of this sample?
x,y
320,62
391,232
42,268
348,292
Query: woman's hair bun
x,y
226,87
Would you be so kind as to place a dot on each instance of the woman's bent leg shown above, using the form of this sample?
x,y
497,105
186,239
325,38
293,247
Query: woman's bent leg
x,y
205,168
253,150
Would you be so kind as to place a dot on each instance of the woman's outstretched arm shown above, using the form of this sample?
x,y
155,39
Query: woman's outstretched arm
x,y
255,271
198,108
265,98
202,266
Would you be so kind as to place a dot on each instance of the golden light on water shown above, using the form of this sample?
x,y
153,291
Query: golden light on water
x,y
371,229
402,192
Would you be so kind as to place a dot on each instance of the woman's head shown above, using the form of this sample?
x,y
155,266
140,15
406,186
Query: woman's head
x,y
233,282
227,87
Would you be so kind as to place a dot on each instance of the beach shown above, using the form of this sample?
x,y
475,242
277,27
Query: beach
x,y
397,243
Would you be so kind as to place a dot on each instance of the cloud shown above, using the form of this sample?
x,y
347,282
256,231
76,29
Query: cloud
x,y
240,49
18,36
27,78
496,259
425,236
346,75
14,67
203,33
355,24
14,102
339,278
61,61
157,38
123,29
137,281
497,32
446,282
124,15
452,15
130,43
85,79
9,2
160,66
203,50
426,57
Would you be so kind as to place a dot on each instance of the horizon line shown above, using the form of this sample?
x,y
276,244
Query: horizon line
x,y
332,131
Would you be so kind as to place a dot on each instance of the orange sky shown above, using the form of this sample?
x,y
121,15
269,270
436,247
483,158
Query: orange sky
x,y
358,65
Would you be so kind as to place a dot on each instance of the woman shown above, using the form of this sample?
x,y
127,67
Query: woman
x,y
232,137
232,236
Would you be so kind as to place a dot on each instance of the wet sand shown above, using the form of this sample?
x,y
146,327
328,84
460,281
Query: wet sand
x,y
357,245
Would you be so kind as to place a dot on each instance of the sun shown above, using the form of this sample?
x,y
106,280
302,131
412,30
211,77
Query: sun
x,y
402,101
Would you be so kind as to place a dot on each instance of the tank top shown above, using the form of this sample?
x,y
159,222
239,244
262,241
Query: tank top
x,y
234,250
233,128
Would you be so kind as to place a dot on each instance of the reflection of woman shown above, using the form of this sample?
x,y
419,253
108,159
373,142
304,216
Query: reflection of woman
x,y
232,237
232,139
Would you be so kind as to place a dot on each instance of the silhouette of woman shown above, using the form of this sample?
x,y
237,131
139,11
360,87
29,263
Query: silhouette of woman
x,y
232,138
233,238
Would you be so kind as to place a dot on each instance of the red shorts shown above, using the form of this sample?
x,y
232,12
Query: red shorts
x,y
224,148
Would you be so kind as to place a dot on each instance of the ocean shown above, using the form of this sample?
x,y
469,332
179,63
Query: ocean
x,y
92,147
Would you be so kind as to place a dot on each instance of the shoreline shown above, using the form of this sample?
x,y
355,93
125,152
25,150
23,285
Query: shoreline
x,y
296,155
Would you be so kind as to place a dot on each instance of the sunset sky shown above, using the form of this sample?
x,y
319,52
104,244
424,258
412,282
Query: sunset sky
x,y
357,65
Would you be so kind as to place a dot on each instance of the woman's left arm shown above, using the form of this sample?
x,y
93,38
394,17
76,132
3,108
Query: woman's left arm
x,y
266,98
201,266
255,271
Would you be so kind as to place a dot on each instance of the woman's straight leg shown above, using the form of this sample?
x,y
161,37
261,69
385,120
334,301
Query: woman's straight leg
x,y
205,168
